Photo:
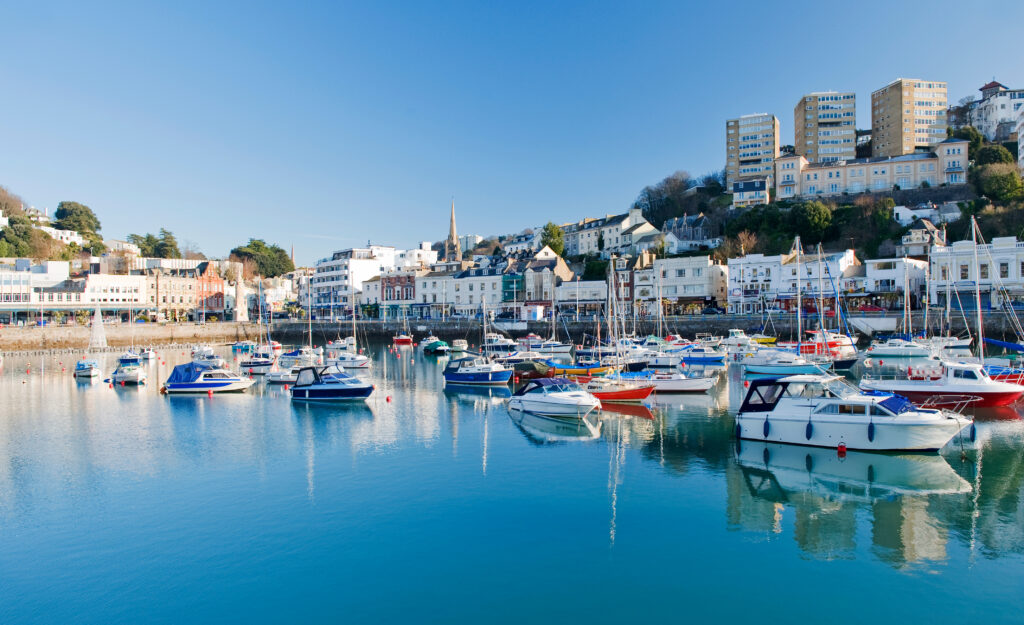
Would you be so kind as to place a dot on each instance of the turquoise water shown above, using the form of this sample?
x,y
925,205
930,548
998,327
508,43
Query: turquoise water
x,y
118,505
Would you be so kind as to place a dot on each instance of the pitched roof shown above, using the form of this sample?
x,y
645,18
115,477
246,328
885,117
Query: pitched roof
x,y
991,85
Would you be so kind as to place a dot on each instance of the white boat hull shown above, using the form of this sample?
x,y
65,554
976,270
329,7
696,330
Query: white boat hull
x,y
135,376
556,407
887,434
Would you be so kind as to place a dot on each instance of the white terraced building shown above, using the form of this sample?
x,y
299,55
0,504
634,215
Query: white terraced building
x,y
758,282
1000,268
688,284
945,166
346,270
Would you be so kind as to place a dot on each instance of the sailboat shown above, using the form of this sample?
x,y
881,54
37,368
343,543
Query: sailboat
x,y
477,370
898,347
261,360
348,357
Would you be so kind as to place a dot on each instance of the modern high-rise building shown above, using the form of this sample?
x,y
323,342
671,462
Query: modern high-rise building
x,y
825,126
908,115
752,145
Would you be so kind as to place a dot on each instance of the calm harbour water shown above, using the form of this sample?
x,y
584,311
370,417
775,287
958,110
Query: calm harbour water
x,y
119,505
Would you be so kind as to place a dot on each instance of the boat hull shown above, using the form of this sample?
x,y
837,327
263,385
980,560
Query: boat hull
x,y
633,395
496,378
936,396
769,369
226,386
854,434
321,393
553,408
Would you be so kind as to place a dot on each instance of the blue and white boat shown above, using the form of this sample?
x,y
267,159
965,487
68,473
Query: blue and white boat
x,y
476,371
259,362
328,384
702,355
129,370
87,369
195,378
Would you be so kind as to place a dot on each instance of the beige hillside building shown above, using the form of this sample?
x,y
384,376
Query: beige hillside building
x,y
751,146
796,177
907,115
825,126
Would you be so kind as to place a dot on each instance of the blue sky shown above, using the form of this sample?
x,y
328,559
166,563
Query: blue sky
x,y
325,125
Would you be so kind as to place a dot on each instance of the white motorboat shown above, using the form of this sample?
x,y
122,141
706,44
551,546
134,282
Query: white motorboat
x,y
547,347
259,362
129,370
947,384
205,356
554,397
148,353
349,360
302,357
193,378
739,342
283,376
826,411
939,343
460,345
898,348
497,345
780,362
664,360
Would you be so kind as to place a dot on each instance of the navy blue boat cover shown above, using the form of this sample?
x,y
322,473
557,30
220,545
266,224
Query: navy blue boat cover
x,y
183,374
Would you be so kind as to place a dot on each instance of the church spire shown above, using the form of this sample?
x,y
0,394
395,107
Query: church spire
x,y
452,248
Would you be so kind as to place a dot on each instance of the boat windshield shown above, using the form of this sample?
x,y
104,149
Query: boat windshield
x,y
827,388
562,387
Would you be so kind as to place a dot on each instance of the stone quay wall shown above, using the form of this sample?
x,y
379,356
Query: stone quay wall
x,y
32,338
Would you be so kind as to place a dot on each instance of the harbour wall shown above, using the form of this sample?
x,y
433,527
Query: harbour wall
x,y
32,338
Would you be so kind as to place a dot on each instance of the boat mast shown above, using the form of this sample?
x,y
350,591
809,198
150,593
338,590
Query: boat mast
x,y
908,324
977,291
823,344
799,311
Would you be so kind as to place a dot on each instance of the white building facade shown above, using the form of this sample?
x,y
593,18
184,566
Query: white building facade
x,y
999,271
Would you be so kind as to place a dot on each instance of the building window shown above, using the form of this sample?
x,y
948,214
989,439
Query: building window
x,y
983,272
1004,270
963,272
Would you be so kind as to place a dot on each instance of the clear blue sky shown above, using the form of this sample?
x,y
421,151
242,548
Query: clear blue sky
x,y
325,125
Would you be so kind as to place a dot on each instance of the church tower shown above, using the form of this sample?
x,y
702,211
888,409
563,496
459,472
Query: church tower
x,y
452,248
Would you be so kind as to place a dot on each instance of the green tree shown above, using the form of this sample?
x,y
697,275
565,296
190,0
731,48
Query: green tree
x,y
811,220
974,139
999,181
553,237
168,245
146,243
21,238
270,260
77,217
600,241
992,154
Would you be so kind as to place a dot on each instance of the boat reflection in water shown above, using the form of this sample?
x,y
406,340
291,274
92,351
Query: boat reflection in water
x,y
824,491
541,430
639,411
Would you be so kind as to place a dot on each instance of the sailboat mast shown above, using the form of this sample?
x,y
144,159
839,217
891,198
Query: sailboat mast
x,y
977,291
908,322
799,305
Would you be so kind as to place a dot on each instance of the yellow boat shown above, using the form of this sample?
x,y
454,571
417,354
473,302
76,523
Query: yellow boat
x,y
764,340
561,369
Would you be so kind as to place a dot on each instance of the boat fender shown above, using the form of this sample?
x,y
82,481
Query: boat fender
x,y
809,430
209,393
841,450
739,431
974,433
871,431
808,463
767,428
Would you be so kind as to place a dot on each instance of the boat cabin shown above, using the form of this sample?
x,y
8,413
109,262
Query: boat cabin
x,y
329,374
822,394
544,386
